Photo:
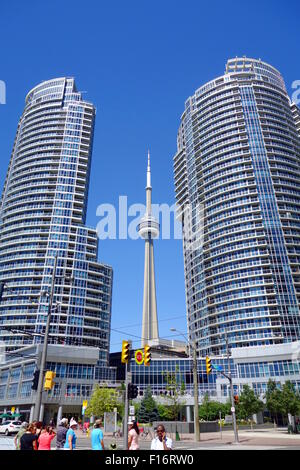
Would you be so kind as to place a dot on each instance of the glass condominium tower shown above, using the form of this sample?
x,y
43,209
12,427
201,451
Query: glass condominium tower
x,y
42,214
237,169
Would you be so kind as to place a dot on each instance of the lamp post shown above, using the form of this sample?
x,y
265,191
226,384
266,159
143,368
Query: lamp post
x,y
195,381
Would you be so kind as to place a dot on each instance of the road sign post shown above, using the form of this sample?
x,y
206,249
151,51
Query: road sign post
x,y
126,360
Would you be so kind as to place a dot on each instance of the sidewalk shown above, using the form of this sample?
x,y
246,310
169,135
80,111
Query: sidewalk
x,y
263,438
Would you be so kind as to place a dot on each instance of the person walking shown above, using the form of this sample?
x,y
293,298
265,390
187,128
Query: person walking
x,y
71,437
29,438
161,442
46,437
20,434
97,436
133,436
61,433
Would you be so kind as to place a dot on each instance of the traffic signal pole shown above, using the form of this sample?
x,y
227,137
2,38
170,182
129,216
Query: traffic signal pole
x,y
127,368
39,393
228,377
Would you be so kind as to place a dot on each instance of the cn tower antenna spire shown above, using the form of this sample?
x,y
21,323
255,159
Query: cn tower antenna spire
x,y
148,230
148,172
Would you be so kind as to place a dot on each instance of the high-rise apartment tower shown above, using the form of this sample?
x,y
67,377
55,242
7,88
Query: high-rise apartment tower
x,y
42,214
238,170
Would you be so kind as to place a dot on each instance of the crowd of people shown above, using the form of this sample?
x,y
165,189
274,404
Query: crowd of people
x,y
36,436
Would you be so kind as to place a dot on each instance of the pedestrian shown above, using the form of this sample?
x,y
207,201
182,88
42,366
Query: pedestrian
x,y
133,436
161,442
38,429
86,426
97,436
70,443
20,434
46,437
62,429
29,438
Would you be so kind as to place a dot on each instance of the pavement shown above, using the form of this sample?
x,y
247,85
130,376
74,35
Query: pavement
x,y
257,439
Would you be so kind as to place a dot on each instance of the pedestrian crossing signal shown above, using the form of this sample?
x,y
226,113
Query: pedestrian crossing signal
x,y
35,381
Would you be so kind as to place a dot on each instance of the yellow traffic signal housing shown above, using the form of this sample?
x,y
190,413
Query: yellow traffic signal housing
x,y
125,352
49,380
208,365
147,355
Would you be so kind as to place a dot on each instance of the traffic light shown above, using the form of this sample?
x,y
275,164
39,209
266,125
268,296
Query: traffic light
x,y
1,290
132,391
35,380
236,399
147,355
125,352
49,380
208,365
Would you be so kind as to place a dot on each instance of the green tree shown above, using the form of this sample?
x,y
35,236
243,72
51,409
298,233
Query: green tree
x,y
273,398
103,400
164,412
210,410
290,399
147,412
175,389
249,403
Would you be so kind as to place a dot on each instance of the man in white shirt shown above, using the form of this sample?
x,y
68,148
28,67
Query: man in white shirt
x,y
161,442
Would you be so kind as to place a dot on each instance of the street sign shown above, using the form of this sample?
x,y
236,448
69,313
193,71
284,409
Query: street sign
x,y
216,367
232,409
139,356
131,410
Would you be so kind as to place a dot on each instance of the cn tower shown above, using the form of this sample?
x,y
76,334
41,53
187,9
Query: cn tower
x,y
148,230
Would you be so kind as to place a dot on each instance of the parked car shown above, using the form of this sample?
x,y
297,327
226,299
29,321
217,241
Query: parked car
x,y
10,427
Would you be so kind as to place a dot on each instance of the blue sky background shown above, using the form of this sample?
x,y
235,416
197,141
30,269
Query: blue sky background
x,y
138,61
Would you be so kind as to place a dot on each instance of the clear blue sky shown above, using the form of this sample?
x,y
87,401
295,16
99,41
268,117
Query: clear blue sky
x,y
138,61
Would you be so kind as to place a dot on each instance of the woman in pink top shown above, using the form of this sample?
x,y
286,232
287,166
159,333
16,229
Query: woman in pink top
x,y
133,436
46,436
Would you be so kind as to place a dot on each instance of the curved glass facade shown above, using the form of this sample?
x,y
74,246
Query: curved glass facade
x,y
42,213
238,159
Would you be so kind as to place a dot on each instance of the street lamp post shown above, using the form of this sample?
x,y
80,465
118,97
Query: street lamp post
x,y
39,391
195,382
